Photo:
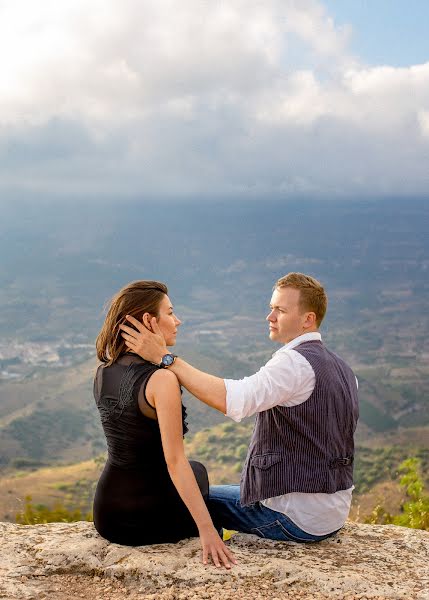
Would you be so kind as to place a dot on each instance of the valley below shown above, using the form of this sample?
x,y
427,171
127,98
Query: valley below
x,y
52,447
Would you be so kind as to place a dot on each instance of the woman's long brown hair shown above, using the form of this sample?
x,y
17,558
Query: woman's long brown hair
x,y
136,298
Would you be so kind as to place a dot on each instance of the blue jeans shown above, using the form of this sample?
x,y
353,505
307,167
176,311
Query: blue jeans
x,y
226,511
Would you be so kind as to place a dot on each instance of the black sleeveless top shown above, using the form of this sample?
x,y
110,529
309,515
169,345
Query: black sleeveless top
x,y
135,501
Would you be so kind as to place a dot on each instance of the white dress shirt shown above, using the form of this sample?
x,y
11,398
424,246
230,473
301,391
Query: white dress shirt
x,y
288,379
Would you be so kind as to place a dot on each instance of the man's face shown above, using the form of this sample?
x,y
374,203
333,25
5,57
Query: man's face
x,y
286,320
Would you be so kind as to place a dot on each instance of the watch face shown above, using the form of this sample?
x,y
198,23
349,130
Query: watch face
x,y
167,360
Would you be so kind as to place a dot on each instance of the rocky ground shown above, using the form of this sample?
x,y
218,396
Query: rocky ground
x,y
68,561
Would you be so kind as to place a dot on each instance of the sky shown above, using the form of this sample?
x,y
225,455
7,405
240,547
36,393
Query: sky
x,y
387,32
214,99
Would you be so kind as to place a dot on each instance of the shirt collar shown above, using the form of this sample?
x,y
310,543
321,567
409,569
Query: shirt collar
x,y
305,337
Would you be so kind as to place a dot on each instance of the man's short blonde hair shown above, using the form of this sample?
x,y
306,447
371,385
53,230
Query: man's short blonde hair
x,y
312,297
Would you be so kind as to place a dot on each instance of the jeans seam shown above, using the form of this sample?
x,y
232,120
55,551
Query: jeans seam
x,y
260,528
313,538
290,536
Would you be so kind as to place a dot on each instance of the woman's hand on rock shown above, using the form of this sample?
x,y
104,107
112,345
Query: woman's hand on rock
x,y
213,547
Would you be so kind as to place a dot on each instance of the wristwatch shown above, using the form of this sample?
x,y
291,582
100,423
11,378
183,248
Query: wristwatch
x,y
167,360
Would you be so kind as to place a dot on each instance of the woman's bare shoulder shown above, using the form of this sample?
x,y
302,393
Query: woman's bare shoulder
x,y
164,376
162,380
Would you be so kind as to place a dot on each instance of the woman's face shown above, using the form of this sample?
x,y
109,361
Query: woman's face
x,y
167,321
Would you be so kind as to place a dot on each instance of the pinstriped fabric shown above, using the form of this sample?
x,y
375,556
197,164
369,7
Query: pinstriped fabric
x,y
309,447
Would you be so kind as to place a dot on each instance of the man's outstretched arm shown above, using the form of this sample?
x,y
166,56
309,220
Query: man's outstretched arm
x,y
151,346
207,388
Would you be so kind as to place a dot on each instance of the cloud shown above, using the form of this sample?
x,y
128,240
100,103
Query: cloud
x,y
424,122
202,98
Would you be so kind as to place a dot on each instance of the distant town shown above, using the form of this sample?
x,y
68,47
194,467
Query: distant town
x,y
19,359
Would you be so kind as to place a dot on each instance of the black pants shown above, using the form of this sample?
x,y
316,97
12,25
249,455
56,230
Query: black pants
x,y
202,478
130,510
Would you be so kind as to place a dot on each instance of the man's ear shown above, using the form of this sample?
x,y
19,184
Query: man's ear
x,y
310,320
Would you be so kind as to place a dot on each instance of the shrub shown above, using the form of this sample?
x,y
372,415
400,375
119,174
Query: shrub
x,y
414,512
34,514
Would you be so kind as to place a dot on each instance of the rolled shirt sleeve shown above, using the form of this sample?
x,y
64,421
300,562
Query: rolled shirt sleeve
x,y
287,380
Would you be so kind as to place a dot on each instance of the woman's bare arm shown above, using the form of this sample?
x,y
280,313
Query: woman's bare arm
x,y
164,393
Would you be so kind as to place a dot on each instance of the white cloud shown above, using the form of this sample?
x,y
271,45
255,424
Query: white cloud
x,y
202,98
423,117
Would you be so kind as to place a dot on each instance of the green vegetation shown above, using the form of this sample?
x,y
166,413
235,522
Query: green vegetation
x,y
45,430
39,513
377,464
415,512
78,494
377,419
222,449
26,463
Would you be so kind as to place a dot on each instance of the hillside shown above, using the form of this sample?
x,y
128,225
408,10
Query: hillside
x,y
49,416
222,448
220,264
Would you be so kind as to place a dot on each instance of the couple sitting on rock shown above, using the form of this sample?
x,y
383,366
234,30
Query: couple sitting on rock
x,y
297,479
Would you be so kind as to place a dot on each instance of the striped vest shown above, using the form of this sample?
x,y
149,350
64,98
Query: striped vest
x,y
309,447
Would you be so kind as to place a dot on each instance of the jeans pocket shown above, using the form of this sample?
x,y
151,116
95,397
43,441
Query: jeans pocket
x,y
277,531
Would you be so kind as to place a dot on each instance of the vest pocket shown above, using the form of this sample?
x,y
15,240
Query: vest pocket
x,y
265,461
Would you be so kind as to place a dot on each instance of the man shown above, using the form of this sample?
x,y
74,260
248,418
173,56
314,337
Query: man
x,y
297,480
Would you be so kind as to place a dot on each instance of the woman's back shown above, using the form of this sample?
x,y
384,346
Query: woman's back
x,y
130,432
135,496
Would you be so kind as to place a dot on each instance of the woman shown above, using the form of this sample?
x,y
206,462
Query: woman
x,y
147,492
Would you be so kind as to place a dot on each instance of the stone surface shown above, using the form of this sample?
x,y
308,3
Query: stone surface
x,y
63,561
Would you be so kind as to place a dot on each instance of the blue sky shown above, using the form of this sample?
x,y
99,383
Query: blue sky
x,y
200,99
391,32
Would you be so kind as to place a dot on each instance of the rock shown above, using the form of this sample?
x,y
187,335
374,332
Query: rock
x,y
65,561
